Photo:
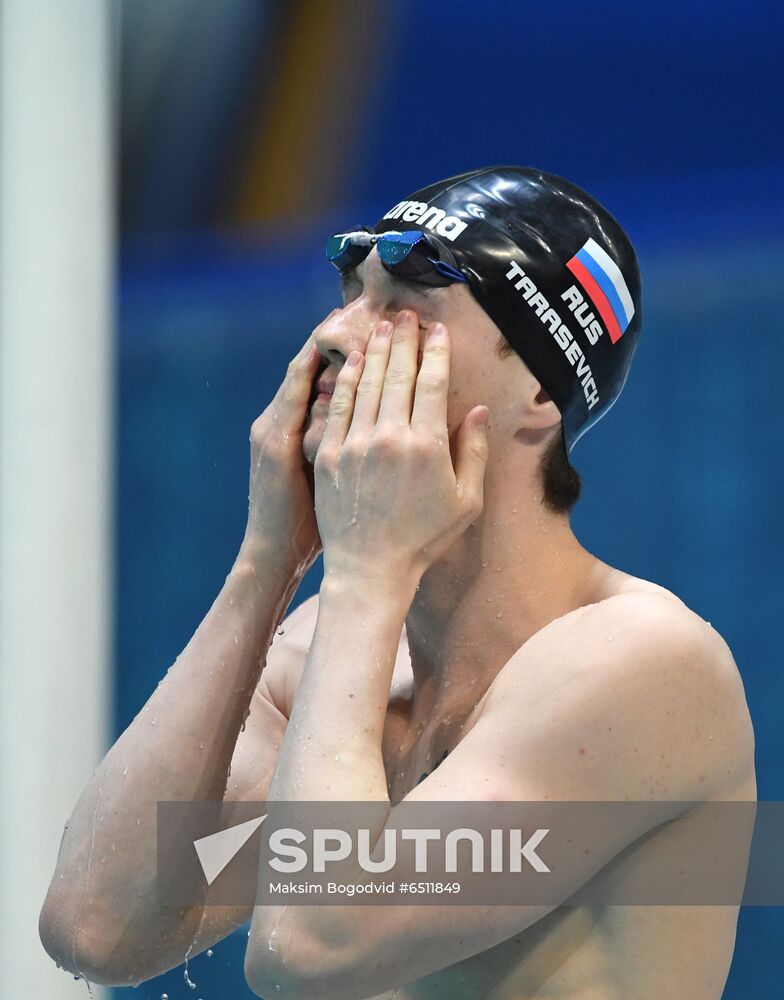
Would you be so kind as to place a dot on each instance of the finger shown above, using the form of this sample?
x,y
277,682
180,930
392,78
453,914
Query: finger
x,y
471,457
400,378
368,397
341,408
292,398
432,384
304,352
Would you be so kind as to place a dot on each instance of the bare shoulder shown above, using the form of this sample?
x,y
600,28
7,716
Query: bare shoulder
x,y
635,676
648,627
663,631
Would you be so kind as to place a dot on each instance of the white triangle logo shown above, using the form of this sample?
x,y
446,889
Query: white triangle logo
x,y
217,850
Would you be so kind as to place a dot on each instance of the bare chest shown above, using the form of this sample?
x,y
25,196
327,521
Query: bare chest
x,y
413,748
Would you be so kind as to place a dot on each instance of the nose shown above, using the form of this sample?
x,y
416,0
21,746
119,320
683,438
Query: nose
x,y
345,330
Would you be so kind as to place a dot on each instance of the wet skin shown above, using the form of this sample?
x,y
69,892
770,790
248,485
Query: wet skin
x,y
532,698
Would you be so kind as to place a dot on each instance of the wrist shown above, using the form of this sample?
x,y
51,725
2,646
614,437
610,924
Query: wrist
x,y
369,590
269,565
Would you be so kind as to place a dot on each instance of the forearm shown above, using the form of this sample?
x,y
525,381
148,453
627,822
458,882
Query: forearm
x,y
179,747
332,748
332,751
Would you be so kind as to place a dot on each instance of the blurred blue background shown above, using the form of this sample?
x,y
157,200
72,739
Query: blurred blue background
x,y
251,129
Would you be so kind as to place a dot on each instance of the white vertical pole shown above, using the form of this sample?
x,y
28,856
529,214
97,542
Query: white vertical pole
x,y
55,432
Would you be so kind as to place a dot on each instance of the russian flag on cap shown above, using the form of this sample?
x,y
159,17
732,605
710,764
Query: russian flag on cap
x,y
603,282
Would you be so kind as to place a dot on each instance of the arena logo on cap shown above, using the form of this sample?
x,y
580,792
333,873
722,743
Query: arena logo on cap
x,y
428,216
604,285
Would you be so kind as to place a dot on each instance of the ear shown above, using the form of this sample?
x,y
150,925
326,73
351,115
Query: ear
x,y
541,413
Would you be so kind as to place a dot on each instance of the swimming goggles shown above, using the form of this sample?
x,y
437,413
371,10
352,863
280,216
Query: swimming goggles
x,y
412,255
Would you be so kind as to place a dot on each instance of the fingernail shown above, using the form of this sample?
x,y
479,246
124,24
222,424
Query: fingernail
x,y
436,330
482,419
384,329
353,359
405,316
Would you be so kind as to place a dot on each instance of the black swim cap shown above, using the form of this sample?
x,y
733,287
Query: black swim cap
x,y
553,270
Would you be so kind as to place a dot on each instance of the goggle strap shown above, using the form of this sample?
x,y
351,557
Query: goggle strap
x,y
448,271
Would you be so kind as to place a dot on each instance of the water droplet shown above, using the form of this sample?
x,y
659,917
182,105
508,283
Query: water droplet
x,y
164,996
155,722
236,640
125,771
281,630
185,975
611,638
201,746
210,953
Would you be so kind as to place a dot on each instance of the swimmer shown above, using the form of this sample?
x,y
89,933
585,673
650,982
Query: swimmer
x,y
464,646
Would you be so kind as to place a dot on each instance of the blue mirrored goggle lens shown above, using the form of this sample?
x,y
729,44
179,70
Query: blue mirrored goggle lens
x,y
394,248
414,255
344,253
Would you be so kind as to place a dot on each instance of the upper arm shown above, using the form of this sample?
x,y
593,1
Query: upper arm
x,y
635,698
628,700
